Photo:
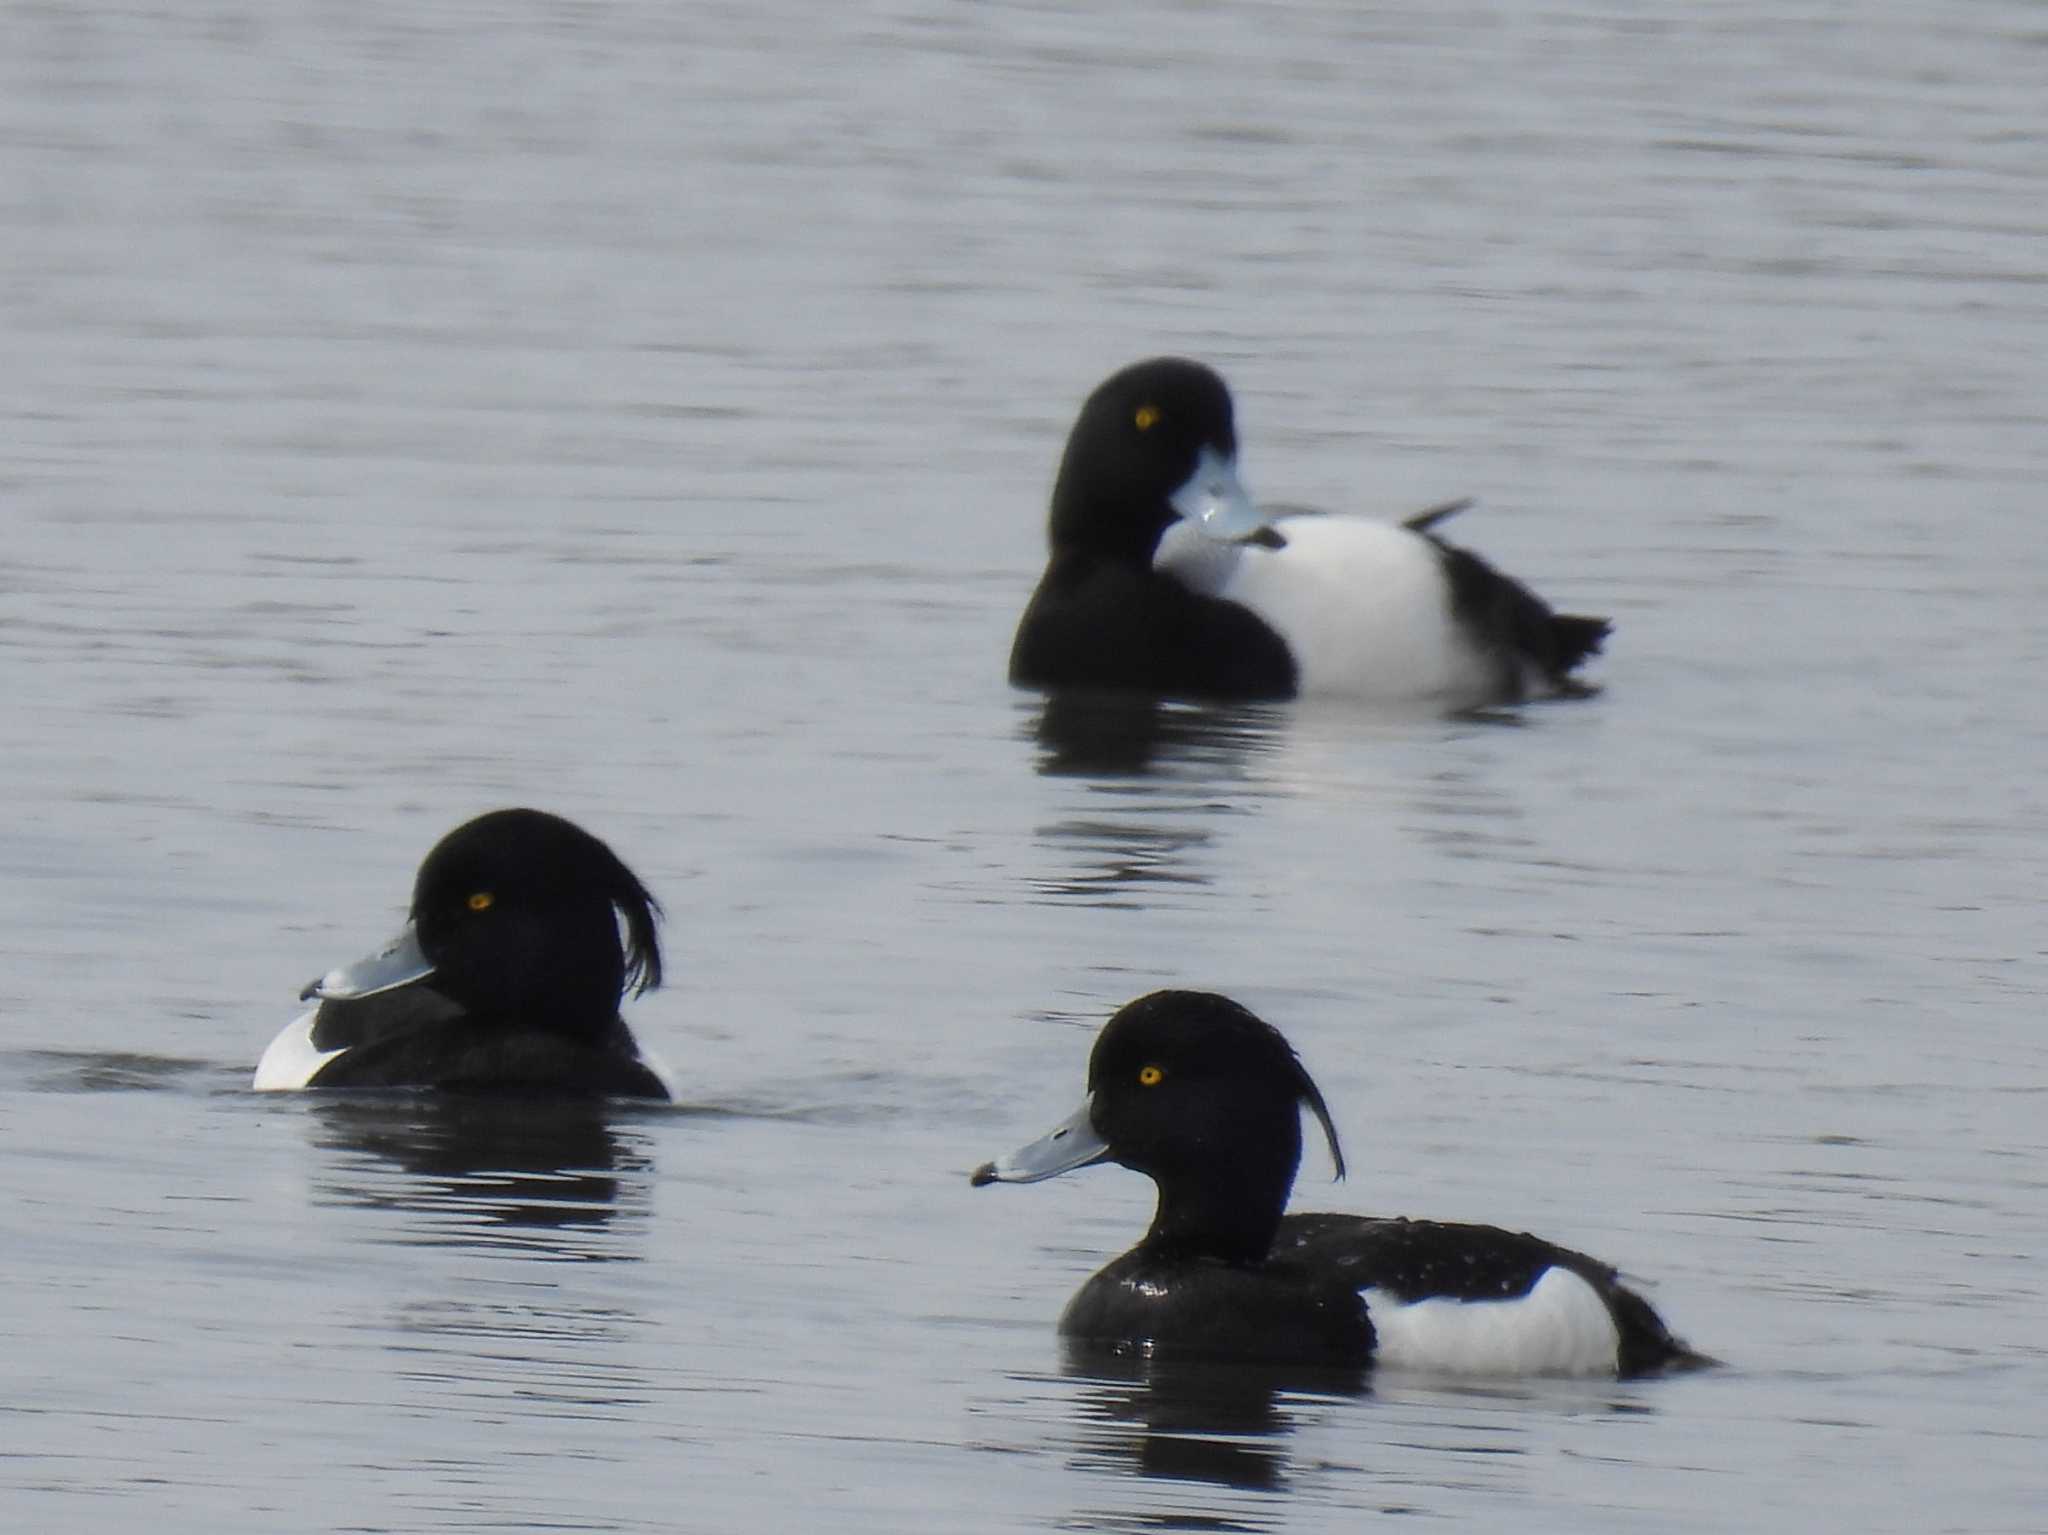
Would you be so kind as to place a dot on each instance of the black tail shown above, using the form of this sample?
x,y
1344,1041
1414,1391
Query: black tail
x,y
1520,624
1647,1347
1574,638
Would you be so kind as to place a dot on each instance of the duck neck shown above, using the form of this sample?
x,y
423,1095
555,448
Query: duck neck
x,y
1097,513
1229,1215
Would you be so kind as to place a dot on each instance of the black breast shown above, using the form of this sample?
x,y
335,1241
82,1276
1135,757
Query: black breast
x,y
1278,1310
1101,624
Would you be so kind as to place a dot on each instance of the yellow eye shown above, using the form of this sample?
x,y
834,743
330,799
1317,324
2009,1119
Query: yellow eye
x,y
481,901
1150,1076
1147,417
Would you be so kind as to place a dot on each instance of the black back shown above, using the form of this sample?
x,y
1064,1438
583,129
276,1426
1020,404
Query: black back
x,y
1302,1302
1414,1260
478,1056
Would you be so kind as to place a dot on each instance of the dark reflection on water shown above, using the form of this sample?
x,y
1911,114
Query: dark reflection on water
x,y
1116,860
1208,1445
1160,766
1107,734
1195,1420
541,1183
479,1167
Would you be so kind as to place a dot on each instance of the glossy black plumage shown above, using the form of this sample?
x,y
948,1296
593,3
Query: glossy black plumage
x,y
1105,616
1102,617
519,913
1205,1098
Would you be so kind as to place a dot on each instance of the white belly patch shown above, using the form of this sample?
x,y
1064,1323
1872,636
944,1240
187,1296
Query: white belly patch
x,y
1561,1327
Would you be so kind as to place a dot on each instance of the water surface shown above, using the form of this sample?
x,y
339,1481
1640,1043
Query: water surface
x,y
647,412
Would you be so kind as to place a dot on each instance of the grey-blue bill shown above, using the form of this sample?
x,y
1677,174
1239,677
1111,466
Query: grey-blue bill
x,y
399,963
1070,1144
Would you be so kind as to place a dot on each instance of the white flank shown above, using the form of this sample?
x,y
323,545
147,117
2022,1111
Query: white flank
x,y
659,1067
291,1059
1363,606
1561,1327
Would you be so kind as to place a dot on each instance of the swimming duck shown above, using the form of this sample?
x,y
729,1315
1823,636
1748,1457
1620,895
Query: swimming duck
x,y
1205,1098
506,979
1164,578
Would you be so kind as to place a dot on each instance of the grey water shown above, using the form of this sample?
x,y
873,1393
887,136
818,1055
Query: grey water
x,y
646,411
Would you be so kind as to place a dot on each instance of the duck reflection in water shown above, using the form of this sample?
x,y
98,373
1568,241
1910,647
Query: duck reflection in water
x,y
1201,1420
1090,732
492,1170
1163,774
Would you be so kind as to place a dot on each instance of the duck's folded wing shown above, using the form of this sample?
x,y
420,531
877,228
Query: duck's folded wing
x,y
1482,1300
1419,1260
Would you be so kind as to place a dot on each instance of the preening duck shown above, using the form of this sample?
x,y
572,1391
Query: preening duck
x,y
507,978
1164,577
